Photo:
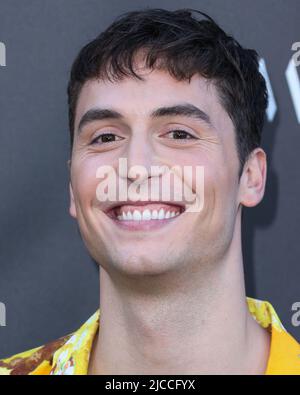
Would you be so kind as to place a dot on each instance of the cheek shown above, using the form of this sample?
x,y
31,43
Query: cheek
x,y
220,189
84,180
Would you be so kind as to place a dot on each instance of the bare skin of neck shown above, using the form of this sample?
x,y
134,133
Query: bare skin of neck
x,y
194,322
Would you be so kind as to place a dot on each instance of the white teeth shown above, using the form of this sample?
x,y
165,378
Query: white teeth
x,y
161,214
136,216
147,215
154,214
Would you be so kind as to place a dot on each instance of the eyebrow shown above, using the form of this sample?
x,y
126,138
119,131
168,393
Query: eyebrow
x,y
185,109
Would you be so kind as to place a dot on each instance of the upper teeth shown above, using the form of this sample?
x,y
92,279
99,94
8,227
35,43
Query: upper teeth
x,y
147,215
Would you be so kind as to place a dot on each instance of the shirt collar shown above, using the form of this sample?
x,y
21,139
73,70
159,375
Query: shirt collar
x,y
73,357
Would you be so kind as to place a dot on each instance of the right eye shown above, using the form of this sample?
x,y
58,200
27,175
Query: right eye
x,y
106,138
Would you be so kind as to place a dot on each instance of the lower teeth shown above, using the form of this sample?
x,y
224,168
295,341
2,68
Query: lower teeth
x,y
120,218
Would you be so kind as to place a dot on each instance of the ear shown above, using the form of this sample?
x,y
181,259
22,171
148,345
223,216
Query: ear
x,y
253,179
72,208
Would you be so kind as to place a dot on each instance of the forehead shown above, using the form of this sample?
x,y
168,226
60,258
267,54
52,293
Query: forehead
x,y
136,99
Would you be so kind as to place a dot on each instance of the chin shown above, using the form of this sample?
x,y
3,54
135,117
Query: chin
x,y
141,264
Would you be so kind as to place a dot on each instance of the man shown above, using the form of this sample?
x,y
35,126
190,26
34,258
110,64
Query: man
x,y
162,89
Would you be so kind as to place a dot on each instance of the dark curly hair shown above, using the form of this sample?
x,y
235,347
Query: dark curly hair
x,y
178,42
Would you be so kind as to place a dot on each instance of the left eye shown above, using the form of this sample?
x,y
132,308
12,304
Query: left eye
x,y
106,138
178,134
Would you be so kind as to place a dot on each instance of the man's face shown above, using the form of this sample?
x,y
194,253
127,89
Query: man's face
x,y
158,245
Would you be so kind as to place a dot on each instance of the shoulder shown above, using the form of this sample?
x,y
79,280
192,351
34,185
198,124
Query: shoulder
x,y
55,356
284,356
34,361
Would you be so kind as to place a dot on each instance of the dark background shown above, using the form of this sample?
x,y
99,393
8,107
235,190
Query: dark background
x,y
47,280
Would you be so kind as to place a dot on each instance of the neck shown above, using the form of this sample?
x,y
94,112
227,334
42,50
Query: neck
x,y
189,323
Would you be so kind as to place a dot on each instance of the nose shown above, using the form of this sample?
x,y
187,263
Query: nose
x,y
140,157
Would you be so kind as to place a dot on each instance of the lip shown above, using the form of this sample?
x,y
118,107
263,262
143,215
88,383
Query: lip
x,y
143,225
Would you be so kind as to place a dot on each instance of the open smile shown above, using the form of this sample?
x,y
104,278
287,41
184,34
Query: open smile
x,y
144,215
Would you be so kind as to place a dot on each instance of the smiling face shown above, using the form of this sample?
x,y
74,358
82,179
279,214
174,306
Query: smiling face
x,y
154,237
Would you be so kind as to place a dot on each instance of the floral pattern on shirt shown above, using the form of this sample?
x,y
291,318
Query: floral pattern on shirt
x,y
70,354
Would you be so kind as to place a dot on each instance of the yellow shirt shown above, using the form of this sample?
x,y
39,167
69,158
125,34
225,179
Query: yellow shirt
x,y
69,355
